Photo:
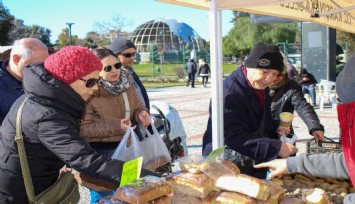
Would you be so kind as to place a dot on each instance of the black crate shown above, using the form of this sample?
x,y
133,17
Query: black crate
x,y
321,147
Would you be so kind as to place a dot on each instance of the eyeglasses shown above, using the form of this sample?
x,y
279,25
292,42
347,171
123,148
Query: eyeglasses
x,y
108,68
128,55
89,83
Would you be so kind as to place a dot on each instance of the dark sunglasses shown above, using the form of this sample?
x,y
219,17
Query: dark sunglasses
x,y
89,83
128,55
108,68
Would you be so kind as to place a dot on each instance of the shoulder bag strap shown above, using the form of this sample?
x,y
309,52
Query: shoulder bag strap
x,y
22,155
126,104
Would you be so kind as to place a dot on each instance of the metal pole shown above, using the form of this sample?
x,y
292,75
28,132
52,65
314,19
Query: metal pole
x,y
70,24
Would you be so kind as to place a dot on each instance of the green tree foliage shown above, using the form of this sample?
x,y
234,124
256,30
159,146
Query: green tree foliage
x,y
20,30
64,39
6,25
245,35
343,36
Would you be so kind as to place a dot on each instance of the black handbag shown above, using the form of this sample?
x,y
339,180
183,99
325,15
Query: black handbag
x,y
64,191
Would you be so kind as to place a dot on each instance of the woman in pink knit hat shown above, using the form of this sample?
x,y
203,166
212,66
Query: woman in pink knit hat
x,y
56,90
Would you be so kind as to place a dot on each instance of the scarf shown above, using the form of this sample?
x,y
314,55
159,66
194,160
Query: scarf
x,y
121,85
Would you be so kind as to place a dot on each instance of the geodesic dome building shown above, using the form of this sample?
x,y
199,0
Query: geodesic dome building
x,y
169,35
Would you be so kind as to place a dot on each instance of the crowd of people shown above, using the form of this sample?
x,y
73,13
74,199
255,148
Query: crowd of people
x,y
81,102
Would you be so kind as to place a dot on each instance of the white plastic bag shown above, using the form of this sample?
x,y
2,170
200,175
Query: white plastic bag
x,y
292,140
126,153
156,153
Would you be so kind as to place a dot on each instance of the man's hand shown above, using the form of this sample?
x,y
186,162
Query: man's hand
x,y
283,130
318,135
287,149
277,167
144,117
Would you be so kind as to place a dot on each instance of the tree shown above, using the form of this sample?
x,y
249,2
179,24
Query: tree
x,y
6,25
64,39
154,54
21,30
244,35
117,22
343,36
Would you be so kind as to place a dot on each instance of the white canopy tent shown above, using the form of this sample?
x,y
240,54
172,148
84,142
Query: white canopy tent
x,y
337,14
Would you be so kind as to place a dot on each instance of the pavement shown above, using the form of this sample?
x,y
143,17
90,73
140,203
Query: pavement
x,y
192,105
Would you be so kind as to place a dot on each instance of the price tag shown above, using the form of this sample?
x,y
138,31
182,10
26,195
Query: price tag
x,y
131,171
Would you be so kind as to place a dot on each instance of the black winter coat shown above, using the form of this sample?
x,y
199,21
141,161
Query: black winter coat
x,y
288,98
50,125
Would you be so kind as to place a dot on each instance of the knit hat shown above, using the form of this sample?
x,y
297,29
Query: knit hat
x,y
265,56
72,63
345,83
120,44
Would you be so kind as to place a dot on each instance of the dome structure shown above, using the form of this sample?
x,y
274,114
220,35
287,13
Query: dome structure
x,y
169,35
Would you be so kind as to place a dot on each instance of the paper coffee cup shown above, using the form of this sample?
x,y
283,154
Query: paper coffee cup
x,y
286,119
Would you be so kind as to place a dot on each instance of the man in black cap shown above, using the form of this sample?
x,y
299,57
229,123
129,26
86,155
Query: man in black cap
x,y
249,132
126,52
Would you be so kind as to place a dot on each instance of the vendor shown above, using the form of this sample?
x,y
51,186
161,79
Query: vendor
x,y
249,132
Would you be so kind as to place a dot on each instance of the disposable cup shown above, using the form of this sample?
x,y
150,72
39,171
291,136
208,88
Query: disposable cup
x,y
286,119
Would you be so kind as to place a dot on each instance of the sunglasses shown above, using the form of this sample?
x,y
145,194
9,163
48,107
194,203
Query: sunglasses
x,y
108,68
89,83
128,55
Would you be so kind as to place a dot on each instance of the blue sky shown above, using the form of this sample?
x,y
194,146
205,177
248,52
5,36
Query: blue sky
x,y
54,14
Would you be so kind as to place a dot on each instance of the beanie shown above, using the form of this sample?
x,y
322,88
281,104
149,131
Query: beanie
x,y
72,63
120,44
345,83
265,56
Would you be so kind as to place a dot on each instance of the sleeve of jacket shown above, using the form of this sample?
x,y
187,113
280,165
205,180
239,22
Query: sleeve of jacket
x,y
92,124
238,137
143,90
309,164
63,139
305,110
138,106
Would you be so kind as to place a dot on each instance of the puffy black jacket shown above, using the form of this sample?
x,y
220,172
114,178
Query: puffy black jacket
x,y
191,67
289,98
51,131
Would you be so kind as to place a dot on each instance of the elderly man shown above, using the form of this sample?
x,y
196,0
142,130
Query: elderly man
x,y
249,132
24,52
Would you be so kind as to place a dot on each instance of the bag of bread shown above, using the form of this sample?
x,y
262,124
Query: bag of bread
x,y
144,190
191,163
218,168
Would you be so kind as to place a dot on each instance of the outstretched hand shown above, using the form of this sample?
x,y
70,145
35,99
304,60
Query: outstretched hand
x,y
277,167
318,135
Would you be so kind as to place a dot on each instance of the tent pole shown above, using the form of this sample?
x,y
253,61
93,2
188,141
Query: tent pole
x,y
216,75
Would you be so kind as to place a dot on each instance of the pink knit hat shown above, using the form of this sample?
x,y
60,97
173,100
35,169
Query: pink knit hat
x,y
72,63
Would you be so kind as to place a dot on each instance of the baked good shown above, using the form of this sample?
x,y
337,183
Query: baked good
x,y
191,163
196,185
316,196
143,190
161,200
244,184
292,201
223,197
181,198
94,184
276,191
217,169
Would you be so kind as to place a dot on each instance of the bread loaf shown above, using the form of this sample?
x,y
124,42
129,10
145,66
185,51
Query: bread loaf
x,y
94,184
191,163
217,169
111,200
316,196
143,190
196,185
244,184
224,197
276,191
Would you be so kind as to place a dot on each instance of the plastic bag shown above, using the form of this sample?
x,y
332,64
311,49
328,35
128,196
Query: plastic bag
x,y
129,147
156,153
292,140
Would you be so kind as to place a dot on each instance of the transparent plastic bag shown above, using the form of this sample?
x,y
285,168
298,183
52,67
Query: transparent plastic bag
x,y
129,147
156,153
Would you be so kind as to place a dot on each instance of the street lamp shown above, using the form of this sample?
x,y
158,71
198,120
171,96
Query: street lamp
x,y
70,24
